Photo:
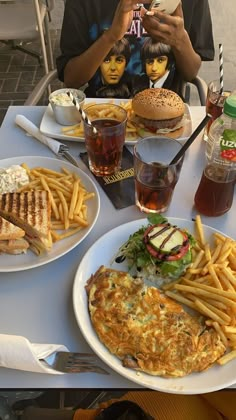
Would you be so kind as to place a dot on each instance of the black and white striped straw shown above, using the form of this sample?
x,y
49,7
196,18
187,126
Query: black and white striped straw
x,y
81,111
221,68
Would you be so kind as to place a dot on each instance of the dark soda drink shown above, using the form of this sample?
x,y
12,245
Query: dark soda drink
x,y
215,110
154,188
214,195
105,147
214,106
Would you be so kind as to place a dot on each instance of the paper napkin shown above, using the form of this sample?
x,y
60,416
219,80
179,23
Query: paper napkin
x,y
17,352
34,131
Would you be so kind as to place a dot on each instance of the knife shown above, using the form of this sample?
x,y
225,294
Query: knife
x,y
60,149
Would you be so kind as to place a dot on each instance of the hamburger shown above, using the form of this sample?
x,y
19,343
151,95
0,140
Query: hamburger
x,y
159,111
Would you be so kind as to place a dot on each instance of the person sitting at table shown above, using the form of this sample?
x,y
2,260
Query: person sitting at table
x,y
97,25
158,67
148,405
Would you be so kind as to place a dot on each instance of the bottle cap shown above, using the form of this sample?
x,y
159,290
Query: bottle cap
x,y
230,106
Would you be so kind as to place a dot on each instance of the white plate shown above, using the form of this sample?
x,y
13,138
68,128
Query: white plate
x,y
102,252
10,263
51,128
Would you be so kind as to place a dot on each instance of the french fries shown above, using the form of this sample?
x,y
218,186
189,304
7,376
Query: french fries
x,y
209,286
68,199
131,130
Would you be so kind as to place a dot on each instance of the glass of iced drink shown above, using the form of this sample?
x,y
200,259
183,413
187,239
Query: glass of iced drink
x,y
155,178
214,103
105,144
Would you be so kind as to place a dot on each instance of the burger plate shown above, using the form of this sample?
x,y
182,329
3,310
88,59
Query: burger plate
x,y
51,128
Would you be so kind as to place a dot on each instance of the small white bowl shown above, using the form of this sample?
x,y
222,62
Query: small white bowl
x,y
65,111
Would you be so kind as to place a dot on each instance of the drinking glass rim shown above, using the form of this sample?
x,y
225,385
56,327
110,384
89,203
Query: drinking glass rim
x,y
167,165
104,104
217,82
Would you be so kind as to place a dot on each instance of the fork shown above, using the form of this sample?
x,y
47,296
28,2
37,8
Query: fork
x,y
64,152
69,362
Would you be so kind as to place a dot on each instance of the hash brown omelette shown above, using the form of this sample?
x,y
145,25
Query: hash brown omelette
x,y
145,329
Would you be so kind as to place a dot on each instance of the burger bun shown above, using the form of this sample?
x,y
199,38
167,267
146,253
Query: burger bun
x,y
159,109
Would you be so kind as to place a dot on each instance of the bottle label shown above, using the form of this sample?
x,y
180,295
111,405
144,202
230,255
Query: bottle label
x,y
228,145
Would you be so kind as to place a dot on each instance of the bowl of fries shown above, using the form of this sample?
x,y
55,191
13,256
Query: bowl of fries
x,y
64,110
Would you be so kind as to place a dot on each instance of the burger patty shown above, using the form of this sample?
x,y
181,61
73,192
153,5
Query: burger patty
x,y
159,124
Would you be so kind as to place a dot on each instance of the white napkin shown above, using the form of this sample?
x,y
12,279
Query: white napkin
x,y
16,352
34,131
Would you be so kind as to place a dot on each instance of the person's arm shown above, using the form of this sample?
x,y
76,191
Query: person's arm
x,y
81,69
170,30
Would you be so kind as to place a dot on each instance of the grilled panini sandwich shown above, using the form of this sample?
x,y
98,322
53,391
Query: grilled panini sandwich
x,y
147,330
12,238
30,211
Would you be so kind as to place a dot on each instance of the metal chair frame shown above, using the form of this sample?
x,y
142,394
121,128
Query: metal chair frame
x,y
28,29
38,91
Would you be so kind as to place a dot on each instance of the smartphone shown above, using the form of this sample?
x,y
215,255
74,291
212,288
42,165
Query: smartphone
x,y
166,6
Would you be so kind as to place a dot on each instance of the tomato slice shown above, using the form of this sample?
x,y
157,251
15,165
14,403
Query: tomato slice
x,y
164,256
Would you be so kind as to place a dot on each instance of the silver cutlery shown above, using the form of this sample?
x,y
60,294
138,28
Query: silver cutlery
x,y
69,362
57,147
64,152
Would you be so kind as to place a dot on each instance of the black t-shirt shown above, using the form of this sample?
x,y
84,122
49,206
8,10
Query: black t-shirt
x,y
85,21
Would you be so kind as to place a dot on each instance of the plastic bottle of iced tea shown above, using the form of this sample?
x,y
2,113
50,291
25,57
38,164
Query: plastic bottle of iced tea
x,y
215,192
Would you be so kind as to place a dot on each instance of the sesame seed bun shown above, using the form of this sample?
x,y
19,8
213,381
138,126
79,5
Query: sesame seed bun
x,y
158,104
158,108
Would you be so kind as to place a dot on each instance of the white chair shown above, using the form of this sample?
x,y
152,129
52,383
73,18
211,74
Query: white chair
x,y
26,21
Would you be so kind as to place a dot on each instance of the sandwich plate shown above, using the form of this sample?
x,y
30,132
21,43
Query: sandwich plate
x,y
49,127
10,263
102,252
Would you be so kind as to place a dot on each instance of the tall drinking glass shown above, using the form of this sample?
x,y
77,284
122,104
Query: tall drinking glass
x,y
214,103
105,146
155,178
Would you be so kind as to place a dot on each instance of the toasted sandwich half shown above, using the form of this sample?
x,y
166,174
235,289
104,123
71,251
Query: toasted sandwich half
x,y
12,238
30,211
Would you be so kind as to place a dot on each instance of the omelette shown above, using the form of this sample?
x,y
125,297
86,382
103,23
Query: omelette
x,y
146,330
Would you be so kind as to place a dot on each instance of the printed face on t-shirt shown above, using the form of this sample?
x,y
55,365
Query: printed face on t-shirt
x,y
112,68
156,67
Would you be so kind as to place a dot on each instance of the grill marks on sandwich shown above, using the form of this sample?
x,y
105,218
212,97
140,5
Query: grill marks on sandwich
x,y
30,210
7,226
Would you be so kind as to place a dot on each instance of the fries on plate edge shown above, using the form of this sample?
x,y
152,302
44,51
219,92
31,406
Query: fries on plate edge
x,y
209,286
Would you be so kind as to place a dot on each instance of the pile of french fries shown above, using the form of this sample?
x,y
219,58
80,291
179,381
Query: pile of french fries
x,y
77,130
209,286
68,199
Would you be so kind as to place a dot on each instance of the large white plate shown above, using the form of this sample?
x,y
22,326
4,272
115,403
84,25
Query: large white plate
x,y
51,128
102,252
9,263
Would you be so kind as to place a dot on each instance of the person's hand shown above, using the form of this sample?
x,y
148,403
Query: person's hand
x,y
122,19
168,29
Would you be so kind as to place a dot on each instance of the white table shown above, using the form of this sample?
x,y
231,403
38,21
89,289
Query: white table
x,y
37,303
